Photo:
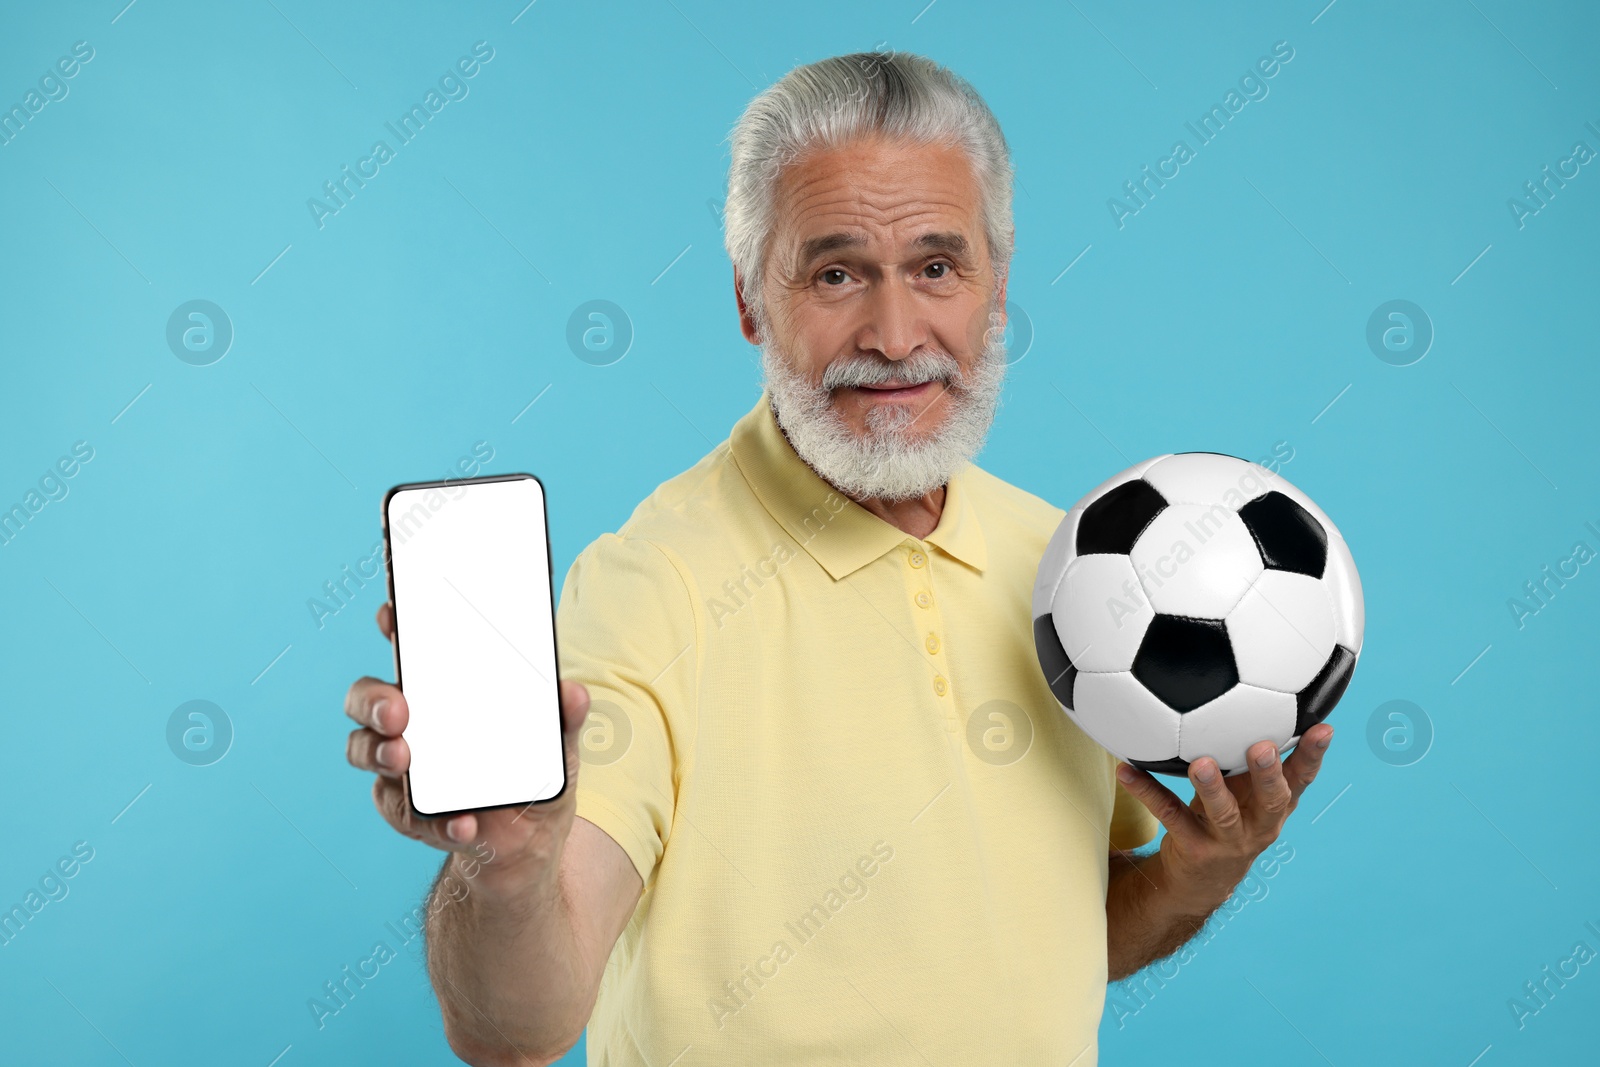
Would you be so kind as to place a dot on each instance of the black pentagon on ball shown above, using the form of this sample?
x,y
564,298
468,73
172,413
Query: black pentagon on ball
x,y
1176,766
1173,766
1115,521
1185,662
1059,672
1317,699
1288,536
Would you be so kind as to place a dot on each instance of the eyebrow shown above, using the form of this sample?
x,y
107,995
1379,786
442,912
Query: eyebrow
x,y
953,244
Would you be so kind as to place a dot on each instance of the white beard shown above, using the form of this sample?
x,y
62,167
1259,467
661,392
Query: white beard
x,y
887,462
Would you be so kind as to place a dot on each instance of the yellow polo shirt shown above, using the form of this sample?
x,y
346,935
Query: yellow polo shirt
x,y
867,832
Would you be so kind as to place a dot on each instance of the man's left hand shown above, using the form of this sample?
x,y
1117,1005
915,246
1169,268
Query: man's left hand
x,y
1211,841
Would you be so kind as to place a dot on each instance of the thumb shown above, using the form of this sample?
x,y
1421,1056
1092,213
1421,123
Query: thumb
x,y
574,706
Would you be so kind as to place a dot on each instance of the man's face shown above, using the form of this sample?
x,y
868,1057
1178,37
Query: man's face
x,y
879,293
915,275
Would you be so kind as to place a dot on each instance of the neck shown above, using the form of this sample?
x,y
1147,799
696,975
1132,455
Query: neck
x,y
917,516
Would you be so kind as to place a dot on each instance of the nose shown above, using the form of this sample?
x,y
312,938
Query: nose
x,y
895,326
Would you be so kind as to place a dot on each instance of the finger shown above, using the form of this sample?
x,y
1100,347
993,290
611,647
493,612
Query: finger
x,y
1270,799
390,797
574,710
1163,803
386,619
369,750
574,705
377,704
574,713
1301,768
461,829
1217,800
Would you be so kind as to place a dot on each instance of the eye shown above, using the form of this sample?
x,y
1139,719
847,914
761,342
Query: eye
x,y
832,271
941,266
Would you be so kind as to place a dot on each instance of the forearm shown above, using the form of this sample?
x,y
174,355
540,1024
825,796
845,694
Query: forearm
x,y
505,966
1147,918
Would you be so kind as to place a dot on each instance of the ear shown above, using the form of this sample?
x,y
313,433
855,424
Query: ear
x,y
747,322
1005,278
1000,301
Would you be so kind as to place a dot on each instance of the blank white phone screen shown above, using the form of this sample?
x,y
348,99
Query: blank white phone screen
x,y
476,644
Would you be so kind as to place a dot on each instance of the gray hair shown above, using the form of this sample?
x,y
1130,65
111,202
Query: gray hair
x,y
834,101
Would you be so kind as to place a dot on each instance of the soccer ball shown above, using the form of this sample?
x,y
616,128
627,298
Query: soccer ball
x,y
1194,605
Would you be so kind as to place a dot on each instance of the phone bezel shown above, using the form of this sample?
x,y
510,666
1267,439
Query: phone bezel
x,y
388,567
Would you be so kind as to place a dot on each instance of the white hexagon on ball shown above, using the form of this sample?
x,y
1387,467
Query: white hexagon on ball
x,y
1102,617
1282,631
1225,728
1196,560
1344,587
1057,554
1208,478
1125,717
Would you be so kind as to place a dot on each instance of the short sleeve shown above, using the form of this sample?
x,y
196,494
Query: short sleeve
x,y
626,629
1132,824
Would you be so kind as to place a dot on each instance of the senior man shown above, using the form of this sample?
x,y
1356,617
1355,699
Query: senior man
x,y
831,812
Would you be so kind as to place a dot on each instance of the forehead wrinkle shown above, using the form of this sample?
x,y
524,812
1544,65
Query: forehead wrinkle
x,y
846,215
867,195
888,204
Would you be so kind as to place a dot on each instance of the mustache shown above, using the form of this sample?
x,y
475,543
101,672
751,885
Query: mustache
x,y
926,366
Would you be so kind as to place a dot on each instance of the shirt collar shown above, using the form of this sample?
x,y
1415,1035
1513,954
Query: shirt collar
x,y
840,534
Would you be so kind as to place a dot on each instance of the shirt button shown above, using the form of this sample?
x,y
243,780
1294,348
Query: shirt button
x,y
939,684
923,600
932,642
918,559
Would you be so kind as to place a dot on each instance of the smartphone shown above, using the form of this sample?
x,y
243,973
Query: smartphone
x,y
474,642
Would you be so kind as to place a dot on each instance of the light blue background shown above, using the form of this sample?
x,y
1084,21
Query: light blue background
x,y
1225,315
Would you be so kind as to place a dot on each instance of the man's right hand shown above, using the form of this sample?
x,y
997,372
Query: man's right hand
x,y
537,980
525,842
